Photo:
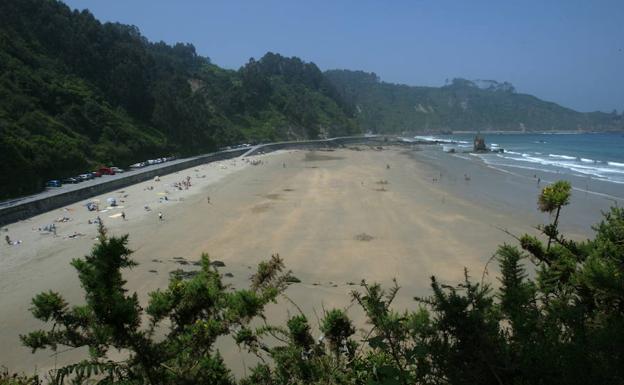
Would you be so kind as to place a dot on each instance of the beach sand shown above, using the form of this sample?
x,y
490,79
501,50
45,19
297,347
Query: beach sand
x,y
336,217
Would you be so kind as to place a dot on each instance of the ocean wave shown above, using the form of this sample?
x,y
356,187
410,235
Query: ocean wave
x,y
576,166
561,156
430,138
433,139
604,171
585,160
615,164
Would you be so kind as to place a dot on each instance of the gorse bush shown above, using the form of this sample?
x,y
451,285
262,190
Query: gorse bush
x,y
562,324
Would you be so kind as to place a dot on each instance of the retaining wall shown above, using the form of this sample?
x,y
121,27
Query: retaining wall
x,y
31,208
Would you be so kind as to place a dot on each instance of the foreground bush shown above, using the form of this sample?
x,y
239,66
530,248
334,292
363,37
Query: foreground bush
x,y
564,325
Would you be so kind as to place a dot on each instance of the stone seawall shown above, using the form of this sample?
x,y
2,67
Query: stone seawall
x,y
34,207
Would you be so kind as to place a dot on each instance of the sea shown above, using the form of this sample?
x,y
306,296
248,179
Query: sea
x,y
597,156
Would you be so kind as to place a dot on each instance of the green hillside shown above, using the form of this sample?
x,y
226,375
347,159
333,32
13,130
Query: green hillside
x,y
460,105
76,93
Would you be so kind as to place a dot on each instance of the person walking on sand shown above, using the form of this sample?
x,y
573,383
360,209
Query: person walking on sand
x,y
160,216
123,215
8,240
208,199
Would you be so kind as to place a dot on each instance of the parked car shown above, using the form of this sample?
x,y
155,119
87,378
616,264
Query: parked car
x,y
96,174
107,170
116,170
86,176
71,180
53,183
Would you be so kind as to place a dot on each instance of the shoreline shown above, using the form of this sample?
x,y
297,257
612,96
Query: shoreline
x,y
562,132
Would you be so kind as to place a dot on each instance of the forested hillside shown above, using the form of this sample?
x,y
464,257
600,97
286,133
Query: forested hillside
x,y
460,105
76,93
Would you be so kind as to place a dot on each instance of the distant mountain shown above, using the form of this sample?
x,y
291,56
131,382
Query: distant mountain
x,y
76,93
461,105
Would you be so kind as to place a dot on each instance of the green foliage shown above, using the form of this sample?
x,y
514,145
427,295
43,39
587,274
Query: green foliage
x,y
7,378
300,332
564,323
554,196
337,328
76,93
459,105
552,199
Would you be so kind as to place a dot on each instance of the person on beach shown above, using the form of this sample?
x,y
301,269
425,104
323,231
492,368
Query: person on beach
x,y
160,216
123,215
208,199
8,240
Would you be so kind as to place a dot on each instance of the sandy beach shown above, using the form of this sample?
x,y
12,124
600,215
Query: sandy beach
x,y
336,217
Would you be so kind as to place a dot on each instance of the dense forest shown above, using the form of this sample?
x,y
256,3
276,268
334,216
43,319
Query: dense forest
x,y
459,105
76,93
557,317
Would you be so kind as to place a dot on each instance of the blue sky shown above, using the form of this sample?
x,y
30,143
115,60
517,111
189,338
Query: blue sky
x,y
568,51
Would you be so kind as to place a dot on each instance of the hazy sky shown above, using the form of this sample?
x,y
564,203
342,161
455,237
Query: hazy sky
x,y
568,51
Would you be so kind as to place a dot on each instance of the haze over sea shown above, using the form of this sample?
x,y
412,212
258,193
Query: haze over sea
x,y
595,156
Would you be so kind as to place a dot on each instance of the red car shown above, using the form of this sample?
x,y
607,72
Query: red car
x,y
106,171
